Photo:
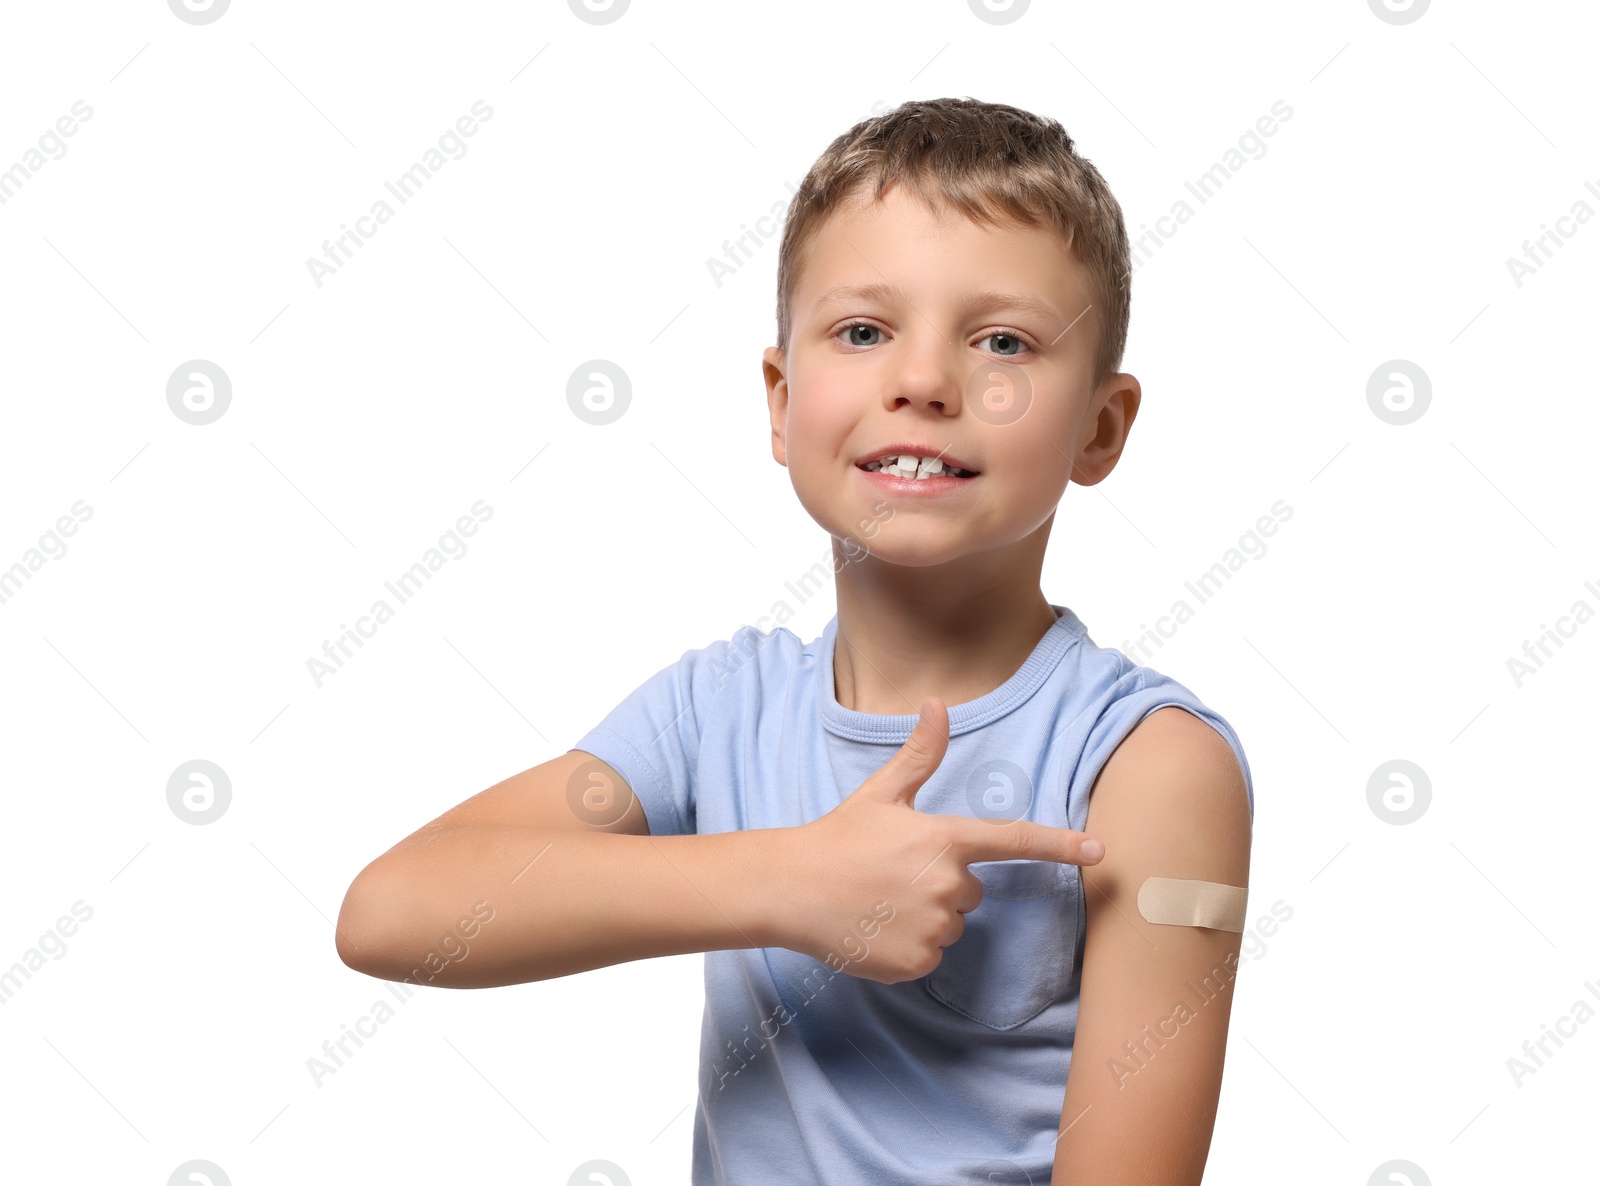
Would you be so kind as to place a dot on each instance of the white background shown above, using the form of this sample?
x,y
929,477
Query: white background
x,y
431,371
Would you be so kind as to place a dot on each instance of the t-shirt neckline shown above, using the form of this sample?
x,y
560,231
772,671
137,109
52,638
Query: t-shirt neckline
x,y
893,729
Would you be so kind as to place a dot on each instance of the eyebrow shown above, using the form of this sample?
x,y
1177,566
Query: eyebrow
x,y
988,298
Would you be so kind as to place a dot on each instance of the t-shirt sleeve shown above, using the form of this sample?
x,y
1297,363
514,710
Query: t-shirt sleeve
x,y
652,739
1136,693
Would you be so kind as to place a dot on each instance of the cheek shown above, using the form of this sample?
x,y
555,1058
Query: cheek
x,y
820,412
1042,450
1040,443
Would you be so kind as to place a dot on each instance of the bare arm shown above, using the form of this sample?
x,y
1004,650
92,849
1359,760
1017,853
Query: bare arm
x,y
533,879
519,883
1142,1094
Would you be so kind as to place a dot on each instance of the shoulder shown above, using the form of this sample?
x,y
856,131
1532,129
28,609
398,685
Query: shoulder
x,y
1175,743
1174,792
1149,717
749,650
740,668
725,671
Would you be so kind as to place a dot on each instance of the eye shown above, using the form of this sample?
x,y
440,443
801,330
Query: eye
x,y
1010,344
858,325
1014,342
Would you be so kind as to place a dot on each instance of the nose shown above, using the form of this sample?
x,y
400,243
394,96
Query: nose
x,y
925,375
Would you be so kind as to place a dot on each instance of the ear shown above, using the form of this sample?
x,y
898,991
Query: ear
x,y
773,363
1112,411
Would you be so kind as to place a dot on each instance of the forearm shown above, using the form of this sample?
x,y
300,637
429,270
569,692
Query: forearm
x,y
552,903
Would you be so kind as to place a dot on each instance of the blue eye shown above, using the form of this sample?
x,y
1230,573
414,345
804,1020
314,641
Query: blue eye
x,y
855,325
1009,337
1015,346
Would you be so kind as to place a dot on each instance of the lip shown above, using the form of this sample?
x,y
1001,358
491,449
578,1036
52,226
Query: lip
x,y
914,449
915,487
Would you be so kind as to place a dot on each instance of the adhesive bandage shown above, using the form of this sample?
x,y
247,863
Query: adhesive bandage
x,y
1178,903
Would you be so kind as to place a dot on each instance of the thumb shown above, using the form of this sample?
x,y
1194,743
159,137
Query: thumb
x,y
899,779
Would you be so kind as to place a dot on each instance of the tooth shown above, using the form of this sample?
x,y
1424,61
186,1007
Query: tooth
x,y
912,468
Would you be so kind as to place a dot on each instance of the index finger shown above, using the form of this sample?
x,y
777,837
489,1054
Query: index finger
x,y
1025,840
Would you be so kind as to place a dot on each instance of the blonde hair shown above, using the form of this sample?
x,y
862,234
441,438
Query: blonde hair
x,y
997,165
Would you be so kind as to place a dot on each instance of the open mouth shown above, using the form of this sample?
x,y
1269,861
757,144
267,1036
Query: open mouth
x,y
915,469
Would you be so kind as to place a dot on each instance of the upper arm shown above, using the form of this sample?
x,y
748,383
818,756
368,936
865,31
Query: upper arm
x,y
1155,999
575,791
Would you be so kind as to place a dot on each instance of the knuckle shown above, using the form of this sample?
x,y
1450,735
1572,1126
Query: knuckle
x,y
1022,837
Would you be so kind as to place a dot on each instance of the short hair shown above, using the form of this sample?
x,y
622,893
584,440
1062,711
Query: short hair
x,y
997,165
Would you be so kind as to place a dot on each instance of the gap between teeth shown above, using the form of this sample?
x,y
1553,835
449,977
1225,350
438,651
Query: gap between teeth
x,y
913,467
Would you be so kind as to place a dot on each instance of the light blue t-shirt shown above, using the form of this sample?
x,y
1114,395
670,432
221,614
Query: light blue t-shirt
x,y
808,1074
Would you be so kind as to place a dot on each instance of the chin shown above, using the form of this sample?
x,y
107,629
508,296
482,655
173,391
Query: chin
x,y
905,553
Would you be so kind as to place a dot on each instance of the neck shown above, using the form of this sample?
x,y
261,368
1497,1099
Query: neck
x,y
956,631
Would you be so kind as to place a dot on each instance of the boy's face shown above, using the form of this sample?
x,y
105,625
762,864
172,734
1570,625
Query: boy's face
x,y
945,364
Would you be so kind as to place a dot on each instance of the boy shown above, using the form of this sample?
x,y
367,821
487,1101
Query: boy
x,y
917,919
